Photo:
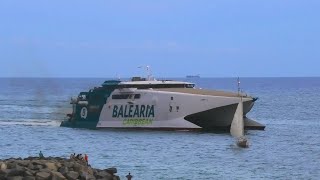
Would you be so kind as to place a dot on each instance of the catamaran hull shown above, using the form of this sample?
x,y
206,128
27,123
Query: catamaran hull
x,y
221,118
173,111
211,120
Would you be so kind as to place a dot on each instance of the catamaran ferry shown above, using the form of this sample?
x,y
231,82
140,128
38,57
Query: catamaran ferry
x,y
144,103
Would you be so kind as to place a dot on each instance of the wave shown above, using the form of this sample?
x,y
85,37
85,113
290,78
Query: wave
x,y
31,122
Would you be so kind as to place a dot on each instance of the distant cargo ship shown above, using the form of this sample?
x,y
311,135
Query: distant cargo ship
x,y
193,76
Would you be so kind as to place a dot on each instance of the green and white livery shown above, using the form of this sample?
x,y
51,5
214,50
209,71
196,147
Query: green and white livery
x,y
153,104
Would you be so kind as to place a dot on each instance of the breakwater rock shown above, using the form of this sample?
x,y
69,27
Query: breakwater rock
x,y
54,168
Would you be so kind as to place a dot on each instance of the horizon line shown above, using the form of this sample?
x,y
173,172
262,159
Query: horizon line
x,y
36,77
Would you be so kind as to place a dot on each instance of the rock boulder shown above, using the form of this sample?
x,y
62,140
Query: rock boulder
x,y
33,168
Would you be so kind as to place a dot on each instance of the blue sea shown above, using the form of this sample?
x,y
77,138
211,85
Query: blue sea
x,y
31,110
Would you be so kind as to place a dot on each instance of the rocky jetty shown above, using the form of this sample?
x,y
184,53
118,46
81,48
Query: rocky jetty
x,y
54,168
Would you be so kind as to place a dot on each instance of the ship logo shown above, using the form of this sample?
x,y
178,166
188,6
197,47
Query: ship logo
x,y
84,113
137,111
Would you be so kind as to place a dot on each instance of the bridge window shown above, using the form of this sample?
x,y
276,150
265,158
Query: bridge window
x,y
189,85
137,96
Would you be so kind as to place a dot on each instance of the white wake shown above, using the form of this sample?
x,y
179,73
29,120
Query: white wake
x,y
30,122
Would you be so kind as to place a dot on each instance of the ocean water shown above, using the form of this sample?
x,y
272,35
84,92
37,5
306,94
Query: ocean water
x,y
31,110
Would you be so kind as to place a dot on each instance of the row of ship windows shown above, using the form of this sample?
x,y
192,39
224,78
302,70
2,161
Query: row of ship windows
x,y
148,86
126,96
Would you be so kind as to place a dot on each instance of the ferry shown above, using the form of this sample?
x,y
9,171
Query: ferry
x,y
150,104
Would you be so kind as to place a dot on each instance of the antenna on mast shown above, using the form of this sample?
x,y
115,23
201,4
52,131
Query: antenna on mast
x,y
118,76
239,89
148,71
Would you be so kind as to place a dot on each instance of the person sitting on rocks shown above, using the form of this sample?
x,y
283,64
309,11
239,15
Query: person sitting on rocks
x,y
80,157
41,155
77,157
73,156
86,159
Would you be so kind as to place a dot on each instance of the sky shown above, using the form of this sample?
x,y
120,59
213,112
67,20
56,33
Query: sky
x,y
112,38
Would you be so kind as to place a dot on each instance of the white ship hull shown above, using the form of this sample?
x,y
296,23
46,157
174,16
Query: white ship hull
x,y
170,110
